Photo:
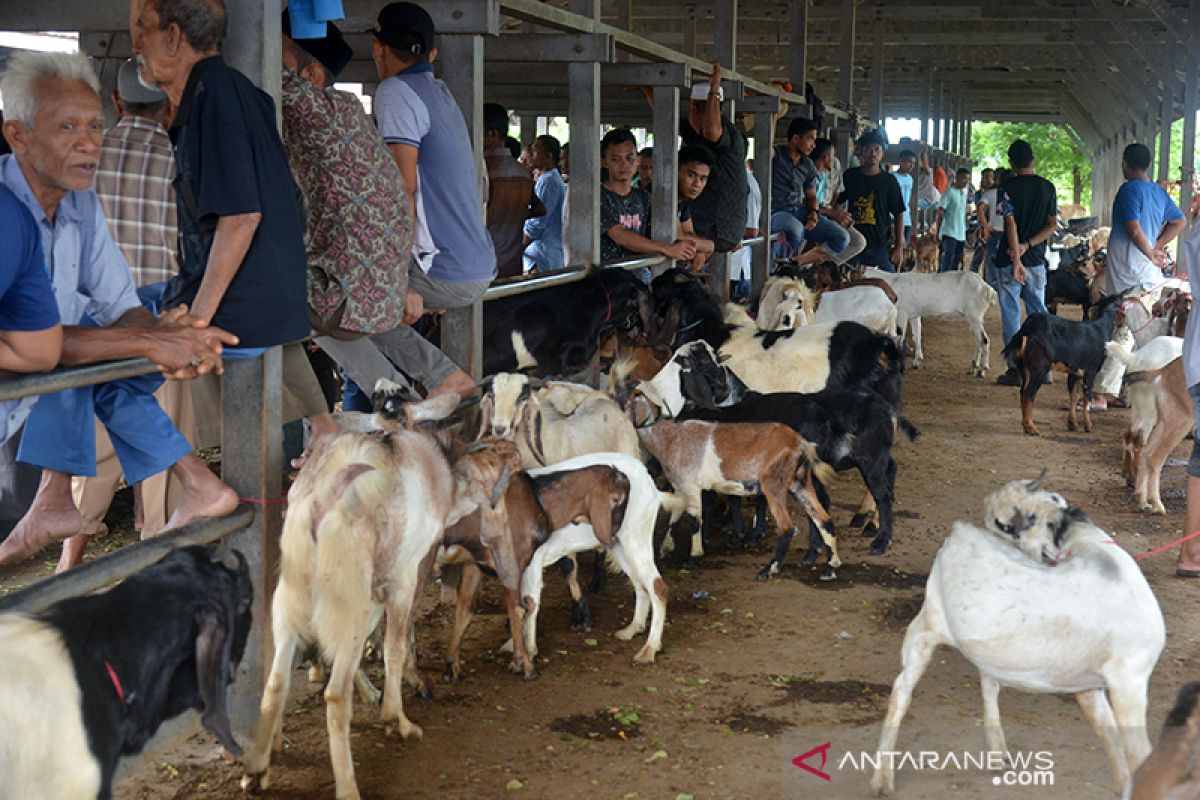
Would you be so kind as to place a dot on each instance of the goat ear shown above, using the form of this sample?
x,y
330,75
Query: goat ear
x,y
531,424
214,644
501,486
600,510
487,407
223,554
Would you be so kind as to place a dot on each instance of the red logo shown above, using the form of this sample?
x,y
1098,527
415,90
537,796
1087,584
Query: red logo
x,y
800,759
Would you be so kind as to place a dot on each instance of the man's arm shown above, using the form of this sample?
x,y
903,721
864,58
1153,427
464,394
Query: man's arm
x,y
898,238
1172,229
31,351
405,156
536,207
230,244
981,213
182,346
636,243
714,127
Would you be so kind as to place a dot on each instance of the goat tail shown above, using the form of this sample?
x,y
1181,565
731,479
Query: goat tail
x,y
1015,346
1119,352
810,461
992,296
909,430
674,504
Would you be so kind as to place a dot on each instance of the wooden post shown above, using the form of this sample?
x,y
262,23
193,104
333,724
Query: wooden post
x,y
876,109
765,110
1165,115
935,132
1191,100
925,108
583,192
846,79
665,188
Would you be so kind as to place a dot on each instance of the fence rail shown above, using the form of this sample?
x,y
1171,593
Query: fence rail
x,y
73,378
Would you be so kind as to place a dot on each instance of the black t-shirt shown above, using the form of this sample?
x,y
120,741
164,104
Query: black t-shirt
x,y
631,212
230,160
720,210
685,210
1030,199
873,201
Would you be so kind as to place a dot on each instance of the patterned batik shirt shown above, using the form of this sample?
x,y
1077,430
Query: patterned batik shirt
x,y
358,231
133,183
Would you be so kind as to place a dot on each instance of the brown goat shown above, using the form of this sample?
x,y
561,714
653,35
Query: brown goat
x,y
1170,772
536,507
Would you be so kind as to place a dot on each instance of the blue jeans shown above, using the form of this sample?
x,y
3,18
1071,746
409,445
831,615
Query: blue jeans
x,y
826,232
1032,292
952,253
879,256
354,398
990,271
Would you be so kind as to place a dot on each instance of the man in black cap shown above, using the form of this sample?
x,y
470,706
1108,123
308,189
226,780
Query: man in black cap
x,y
427,135
358,232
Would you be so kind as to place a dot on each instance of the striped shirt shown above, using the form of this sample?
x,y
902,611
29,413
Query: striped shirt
x,y
133,183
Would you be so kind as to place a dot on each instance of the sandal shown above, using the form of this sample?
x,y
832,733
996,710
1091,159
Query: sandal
x,y
1187,573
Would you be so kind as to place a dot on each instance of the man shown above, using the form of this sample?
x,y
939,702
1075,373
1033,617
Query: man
x,y
625,209
740,266
133,184
950,225
1188,565
240,215
511,196
30,333
645,171
543,235
695,165
719,213
1144,220
829,183
1029,205
979,235
873,199
928,194
427,135
904,176
991,225
794,207
55,129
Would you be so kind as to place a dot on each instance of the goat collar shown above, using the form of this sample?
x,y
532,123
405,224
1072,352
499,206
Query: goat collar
x,y
116,682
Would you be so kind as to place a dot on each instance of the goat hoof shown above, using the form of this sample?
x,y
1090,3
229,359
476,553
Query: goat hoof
x,y
1032,431
255,783
870,529
531,675
644,656
450,675
767,572
827,574
736,544
858,520
879,546
692,563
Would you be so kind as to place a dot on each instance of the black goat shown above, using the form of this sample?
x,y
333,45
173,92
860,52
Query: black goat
x,y
851,428
687,311
92,678
1046,341
558,330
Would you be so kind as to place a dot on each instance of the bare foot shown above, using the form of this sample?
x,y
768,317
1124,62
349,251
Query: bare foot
x,y
72,552
460,383
52,518
204,495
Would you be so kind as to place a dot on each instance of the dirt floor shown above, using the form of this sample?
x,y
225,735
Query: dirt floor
x,y
754,675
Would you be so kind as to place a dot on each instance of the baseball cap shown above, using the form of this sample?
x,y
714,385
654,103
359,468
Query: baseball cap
x,y
331,49
131,89
700,92
405,26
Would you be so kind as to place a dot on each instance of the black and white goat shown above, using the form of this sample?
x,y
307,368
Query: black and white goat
x,y
92,678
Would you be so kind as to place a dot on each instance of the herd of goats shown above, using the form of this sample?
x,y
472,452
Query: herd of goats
x,y
700,401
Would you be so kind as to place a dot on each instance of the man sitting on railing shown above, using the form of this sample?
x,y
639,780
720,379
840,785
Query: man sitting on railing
x,y
54,126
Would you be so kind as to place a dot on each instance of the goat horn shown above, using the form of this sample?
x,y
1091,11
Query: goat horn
x,y
1036,483
501,485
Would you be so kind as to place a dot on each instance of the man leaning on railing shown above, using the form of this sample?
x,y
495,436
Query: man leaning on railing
x,y
54,126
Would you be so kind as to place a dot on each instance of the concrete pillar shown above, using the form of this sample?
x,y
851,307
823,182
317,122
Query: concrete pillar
x,y
528,128
764,140
664,189
725,17
798,59
935,131
1191,100
926,109
253,45
582,235
846,79
1165,114
876,105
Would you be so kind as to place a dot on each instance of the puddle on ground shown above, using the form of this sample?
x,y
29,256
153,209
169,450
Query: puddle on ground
x,y
895,615
744,720
855,574
602,724
796,688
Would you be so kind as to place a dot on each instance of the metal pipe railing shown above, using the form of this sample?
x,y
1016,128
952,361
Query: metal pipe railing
x,y
121,564
73,378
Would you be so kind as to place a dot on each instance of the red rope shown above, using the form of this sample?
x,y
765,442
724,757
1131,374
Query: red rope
x,y
1168,546
281,501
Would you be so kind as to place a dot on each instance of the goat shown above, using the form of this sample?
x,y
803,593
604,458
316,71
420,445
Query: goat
x,y
92,678
737,459
1014,510
787,303
534,508
1167,422
1086,625
1075,284
1141,368
850,427
552,422
632,549
927,249
1046,341
1169,772
558,329
959,293
365,519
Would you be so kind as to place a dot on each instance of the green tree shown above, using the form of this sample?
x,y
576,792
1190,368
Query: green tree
x,y
1059,158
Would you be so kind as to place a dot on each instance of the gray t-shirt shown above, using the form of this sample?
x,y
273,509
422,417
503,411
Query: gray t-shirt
x,y
631,211
790,182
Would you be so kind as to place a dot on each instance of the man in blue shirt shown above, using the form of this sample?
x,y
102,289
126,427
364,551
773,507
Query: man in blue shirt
x,y
30,336
951,223
1144,220
543,235
55,128
427,135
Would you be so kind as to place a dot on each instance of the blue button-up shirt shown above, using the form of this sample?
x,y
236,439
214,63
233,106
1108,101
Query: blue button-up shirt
x,y
97,282
546,249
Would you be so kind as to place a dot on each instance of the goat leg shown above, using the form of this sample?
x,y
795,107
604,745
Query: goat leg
x,y
760,523
469,582
516,621
735,521
1073,395
599,572
581,613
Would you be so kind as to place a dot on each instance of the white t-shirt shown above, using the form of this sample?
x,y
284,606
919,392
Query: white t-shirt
x,y
740,259
995,220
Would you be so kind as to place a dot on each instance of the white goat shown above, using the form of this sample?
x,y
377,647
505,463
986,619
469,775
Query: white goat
x,y
788,303
947,294
1088,624
633,550
365,519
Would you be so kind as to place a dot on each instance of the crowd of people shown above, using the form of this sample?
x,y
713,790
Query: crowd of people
x,y
192,232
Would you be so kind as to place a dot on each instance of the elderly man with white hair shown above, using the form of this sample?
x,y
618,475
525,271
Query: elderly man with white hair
x,y
53,124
